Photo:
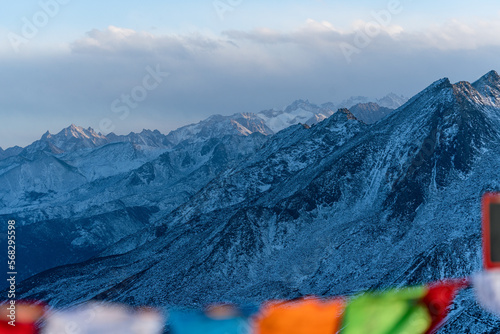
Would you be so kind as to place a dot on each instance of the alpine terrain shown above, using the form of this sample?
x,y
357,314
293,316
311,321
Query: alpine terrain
x,y
248,207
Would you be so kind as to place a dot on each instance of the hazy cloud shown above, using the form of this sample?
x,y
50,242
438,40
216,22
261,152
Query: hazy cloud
x,y
236,71
120,41
457,35
312,33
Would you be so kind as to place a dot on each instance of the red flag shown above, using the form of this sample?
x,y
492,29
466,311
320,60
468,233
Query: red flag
x,y
19,328
20,317
438,298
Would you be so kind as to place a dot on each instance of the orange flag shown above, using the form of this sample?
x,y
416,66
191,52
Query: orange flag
x,y
303,316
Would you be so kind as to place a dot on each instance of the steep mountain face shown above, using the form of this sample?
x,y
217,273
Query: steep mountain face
x,y
454,136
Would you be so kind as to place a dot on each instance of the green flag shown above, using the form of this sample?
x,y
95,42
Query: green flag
x,y
390,312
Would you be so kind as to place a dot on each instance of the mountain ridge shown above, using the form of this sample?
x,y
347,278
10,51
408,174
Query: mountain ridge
x,y
266,122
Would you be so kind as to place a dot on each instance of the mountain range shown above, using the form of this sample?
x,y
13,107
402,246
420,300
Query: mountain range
x,y
266,209
95,189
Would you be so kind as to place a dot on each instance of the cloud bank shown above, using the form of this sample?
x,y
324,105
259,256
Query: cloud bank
x,y
235,71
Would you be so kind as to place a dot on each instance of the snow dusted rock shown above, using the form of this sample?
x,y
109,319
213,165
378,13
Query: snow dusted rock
x,y
489,87
328,209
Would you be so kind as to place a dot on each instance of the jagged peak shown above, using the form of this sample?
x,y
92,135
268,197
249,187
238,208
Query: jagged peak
x,y
73,131
492,75
441,83
437,85
464,85
344,112
47,134
464,90
91,130
489,79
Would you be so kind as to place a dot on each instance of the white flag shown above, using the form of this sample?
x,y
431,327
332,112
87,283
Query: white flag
x,y
100,318
487,288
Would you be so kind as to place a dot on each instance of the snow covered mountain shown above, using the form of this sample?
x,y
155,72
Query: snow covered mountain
x,y
370,112
333,208
300,111
391,101
95,189
70,139
218,126
93,198
266,122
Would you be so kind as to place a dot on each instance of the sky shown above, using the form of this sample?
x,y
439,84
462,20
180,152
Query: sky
x,y
126,65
